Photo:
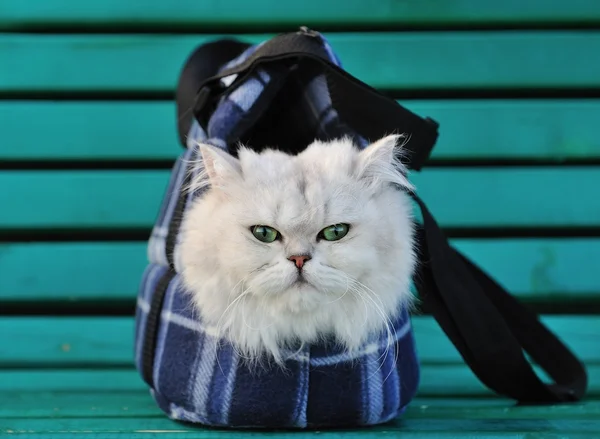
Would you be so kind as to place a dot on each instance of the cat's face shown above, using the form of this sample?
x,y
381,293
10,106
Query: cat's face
x,y
299,233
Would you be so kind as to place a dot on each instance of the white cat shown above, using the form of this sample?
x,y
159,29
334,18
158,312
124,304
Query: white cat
x,y
286,249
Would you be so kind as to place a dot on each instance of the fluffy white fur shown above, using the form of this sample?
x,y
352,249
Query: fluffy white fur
x,y
249,290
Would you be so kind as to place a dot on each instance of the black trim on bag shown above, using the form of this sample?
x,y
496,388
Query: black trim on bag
x,y
176,219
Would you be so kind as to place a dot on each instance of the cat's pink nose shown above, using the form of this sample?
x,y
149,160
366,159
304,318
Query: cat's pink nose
x,y
299,260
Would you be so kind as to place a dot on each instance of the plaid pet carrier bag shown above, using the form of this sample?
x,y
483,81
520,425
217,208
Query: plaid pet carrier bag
x,y
288,91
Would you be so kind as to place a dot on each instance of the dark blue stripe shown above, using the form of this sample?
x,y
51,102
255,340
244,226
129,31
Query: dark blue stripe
x,y
389,377
180,352
215,406
265,396
408,369
335,395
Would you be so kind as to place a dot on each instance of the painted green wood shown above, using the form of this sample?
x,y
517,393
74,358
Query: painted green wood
x,y
456,380
457,197
89,130
15,14
73,271
458,60
43,404
98,199
96,341
533,269
496,425
436,381
139,404
86,341
71,380
480,129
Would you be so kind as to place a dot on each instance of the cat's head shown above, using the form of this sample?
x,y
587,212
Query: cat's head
x,y
298,232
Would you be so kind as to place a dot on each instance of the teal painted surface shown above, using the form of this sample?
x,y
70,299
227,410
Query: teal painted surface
x,y
461,427
533,269
539,129
72,271
470,197
99,199
455,60
124,380
136,404
523,129
457,380
89,130
15,13
97,341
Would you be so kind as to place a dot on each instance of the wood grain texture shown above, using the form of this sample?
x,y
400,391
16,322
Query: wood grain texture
x,y
15,14
108,341
461,426
470,197
399,61
138,404
134,405
470,129
533,269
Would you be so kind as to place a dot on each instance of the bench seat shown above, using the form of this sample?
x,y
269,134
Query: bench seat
x,y
131,413
66,375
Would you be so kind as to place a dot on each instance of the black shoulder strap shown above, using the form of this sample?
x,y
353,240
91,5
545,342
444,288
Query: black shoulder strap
x,y
349,96
204,62
490,328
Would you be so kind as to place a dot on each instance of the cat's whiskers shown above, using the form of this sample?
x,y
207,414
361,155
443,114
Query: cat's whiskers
x,y
363,290
264,300
389,326
230,306
342,296
370,293
243,282
358,294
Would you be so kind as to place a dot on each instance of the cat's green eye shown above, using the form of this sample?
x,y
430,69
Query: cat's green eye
x,y
265,233
334,232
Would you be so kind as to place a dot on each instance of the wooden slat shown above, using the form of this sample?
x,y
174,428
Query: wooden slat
x,y
137,404
457,380
70,271
436,380
533,269
15,14
458,425
71,380
95,341
89,130
70,340
457,60
494,197
470,129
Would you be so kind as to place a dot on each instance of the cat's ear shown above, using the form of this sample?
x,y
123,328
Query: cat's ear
x,y
380,161
220,166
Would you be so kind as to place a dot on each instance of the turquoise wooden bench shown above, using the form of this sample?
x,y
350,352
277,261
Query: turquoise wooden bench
x,y
86,110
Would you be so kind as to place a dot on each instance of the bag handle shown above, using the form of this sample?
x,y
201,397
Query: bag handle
x,y
385,115
490,328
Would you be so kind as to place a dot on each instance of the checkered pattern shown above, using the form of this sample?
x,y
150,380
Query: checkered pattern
x,y
199,378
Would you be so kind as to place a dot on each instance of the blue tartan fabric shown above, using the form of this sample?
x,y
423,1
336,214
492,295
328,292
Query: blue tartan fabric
x,y
199,378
